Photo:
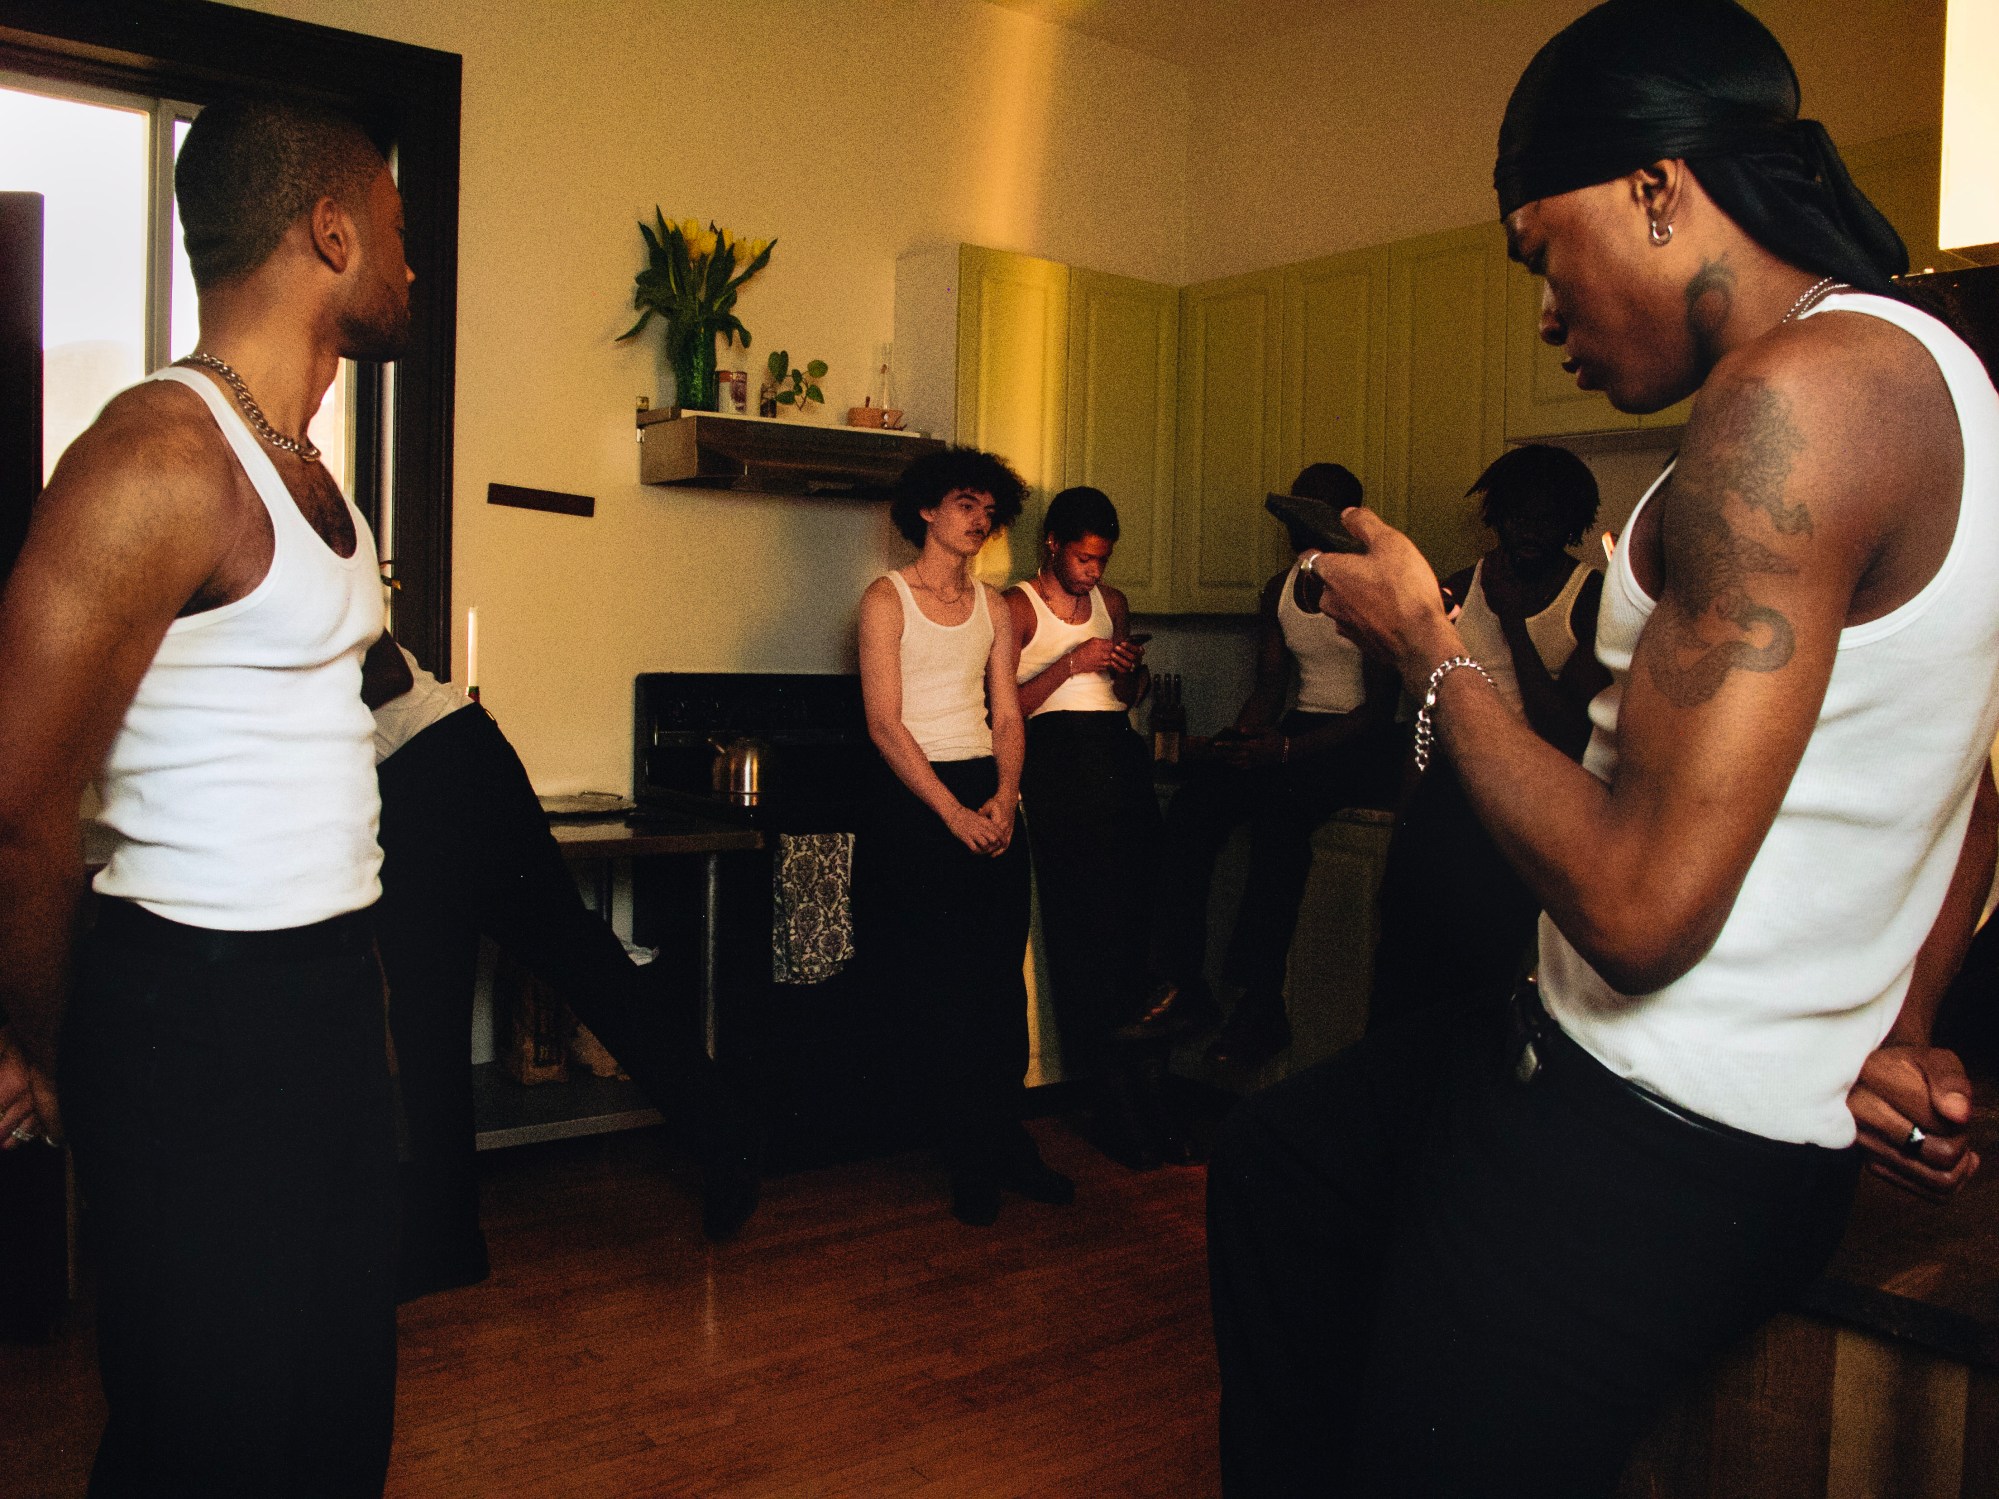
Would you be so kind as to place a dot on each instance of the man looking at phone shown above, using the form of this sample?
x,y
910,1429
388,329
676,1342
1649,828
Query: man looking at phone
x,y
1092,818
1283,770
1489,1257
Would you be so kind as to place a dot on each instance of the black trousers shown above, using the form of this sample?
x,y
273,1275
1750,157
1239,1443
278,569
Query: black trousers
x,y
467,851
1283,805
1431,1279
1093,822
944,932
1456,921
227,1095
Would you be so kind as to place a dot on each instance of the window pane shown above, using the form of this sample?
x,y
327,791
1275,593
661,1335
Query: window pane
x,y
89,163
184,326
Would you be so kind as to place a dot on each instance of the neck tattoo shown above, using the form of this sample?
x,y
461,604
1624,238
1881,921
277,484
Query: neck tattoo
x,y
252,412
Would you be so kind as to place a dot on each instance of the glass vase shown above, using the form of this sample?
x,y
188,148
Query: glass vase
x,y
693,361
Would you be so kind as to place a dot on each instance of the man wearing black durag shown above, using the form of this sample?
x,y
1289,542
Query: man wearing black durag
x,y
1470,1255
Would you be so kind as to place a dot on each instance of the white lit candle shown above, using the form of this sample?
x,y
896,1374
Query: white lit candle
x,y
472,652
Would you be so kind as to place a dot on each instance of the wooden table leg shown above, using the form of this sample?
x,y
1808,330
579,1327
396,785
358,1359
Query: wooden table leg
x,y
711,922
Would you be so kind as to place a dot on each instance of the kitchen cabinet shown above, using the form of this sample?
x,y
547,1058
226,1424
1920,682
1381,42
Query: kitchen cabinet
x,y
982,336
1123,384
1336,365
1445,388
1071,375
1231,375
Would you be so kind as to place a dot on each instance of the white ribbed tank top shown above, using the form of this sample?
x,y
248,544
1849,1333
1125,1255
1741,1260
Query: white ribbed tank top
x,y
241,786
1768,1031
1090,692
944,678
1554,638
1330,678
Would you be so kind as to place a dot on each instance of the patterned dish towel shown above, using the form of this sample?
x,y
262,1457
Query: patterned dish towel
x,y
812,908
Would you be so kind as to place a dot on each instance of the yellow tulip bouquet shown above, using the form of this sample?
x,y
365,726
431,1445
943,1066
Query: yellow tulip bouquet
x,y
690,281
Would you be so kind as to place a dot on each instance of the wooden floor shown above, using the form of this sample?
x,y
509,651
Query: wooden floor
x,y
856,1341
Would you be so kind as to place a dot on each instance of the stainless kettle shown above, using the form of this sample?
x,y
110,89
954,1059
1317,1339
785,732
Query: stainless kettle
x,y
740,768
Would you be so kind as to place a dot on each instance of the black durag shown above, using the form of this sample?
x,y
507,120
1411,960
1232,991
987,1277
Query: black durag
x,y
1703,81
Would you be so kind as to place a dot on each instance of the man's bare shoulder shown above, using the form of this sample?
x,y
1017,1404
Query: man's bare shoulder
x,y
879,602
1842,421
155,443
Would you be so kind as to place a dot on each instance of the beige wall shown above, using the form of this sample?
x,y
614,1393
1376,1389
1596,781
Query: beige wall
x,y
854,130
1380,123
850,129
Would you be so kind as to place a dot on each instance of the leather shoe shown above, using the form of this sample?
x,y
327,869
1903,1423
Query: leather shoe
x,y
1173,1008
1038,1181
974,1200
1256,1031
729,1192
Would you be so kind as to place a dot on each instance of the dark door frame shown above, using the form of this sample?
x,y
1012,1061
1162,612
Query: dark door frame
x,y
408,98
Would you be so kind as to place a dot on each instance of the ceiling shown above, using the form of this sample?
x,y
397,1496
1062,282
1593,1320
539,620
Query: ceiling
x,y
1184,32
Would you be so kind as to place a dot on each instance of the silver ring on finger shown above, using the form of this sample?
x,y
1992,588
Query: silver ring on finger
x,y
1914,1140
23,1135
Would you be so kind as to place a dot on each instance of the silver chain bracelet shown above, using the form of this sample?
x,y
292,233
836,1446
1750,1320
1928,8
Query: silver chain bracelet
x,y
1426,733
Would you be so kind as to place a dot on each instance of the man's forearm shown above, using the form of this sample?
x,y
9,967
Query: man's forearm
x,y
40,882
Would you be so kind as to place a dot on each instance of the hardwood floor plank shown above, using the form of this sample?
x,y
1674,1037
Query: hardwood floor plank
x,y
857,1341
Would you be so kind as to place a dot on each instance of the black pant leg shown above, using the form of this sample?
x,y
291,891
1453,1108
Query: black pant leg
x,y
1456,920
945,931
1552,1259
482,860
428,930
1289,805
1199,819
1303,1185
1093,821
234,1146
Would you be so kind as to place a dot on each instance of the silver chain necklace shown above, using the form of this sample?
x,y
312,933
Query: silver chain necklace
x,y
1812,296
252,412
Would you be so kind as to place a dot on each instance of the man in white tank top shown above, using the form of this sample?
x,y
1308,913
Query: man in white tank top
x,y
1523,609
186,623
1499,1256
1092,818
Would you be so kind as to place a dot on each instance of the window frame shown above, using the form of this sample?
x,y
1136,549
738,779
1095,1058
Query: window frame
x,y
199,52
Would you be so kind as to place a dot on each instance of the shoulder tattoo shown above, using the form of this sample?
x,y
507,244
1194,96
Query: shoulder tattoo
x,y
1726,515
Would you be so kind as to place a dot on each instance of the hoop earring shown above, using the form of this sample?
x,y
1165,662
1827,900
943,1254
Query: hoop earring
x,y
1660,240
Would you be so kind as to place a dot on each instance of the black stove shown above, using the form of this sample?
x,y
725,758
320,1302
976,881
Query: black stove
x,y
818,760
821,1058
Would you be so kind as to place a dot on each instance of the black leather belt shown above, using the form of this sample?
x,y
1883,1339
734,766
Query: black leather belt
x,y
1538,1044
125,922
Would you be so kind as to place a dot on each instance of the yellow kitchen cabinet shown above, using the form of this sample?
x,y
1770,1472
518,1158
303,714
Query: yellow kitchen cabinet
x,y
982,340
1446,386
1900,173
1336,365
1123,377
1231,370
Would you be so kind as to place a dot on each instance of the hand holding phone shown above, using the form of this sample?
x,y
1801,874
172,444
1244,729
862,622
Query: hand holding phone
x,y
1313,526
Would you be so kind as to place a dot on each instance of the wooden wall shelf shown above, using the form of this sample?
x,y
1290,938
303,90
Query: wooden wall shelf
x,y
760,455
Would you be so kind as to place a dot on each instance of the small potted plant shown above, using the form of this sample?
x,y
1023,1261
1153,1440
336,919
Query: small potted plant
x,y
691,281
796,387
